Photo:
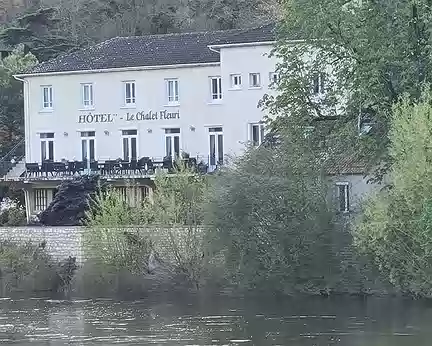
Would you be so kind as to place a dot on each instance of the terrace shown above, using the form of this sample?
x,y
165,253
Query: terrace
x,y
145,167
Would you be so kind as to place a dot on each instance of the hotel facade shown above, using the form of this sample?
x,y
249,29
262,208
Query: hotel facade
x,y
131,104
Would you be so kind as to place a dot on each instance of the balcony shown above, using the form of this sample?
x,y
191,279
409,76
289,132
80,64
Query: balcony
x,y
145,167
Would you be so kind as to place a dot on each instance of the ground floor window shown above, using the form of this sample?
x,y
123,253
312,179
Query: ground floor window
x,y
40,199
216,150
343,195
257,134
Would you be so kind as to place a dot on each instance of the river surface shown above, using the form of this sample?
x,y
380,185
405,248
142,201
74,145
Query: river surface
x,y
217,320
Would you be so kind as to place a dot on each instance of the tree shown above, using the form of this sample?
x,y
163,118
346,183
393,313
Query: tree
x,y
11,97
395,228
370,52
270,213
38,32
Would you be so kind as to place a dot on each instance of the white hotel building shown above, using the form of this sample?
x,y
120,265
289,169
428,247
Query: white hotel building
x,y
140,99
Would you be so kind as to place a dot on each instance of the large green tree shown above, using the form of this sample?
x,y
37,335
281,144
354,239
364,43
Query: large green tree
x,y
270,213
39,31
371,53
395,228
11,98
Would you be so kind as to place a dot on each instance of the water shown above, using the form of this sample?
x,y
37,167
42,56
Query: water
x,y
192,320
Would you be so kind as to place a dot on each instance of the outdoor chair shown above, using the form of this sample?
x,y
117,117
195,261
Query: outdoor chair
x,y
47,168
32,168
59,167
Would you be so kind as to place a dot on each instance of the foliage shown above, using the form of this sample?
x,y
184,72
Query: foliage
x,y
92,21
13,216
371,53
395,226
71,202
269,212
176,204
11,98
38,31
25,267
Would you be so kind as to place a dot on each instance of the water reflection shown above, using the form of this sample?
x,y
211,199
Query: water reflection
x,y
192,320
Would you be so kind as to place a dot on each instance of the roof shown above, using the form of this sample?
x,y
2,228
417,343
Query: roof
x,y
350,164
153,50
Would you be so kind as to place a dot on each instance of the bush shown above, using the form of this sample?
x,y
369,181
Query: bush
x,y
14,216
176,204
395,228
270,215
26,268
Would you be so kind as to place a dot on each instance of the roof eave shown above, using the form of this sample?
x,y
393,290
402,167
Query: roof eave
x,y
246,44
118,69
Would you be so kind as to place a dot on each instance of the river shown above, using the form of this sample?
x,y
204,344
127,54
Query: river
x,y
216,320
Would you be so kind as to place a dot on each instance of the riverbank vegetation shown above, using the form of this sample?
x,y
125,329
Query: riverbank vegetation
x,y
394,228
27,268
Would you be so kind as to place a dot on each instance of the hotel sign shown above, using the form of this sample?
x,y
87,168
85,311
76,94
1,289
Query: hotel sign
x,y
92,118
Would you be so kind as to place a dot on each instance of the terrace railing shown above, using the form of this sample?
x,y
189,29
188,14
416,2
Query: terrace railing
x,y
143,167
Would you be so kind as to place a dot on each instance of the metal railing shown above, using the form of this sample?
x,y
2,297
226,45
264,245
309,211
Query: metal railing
x,y
145,166
15,155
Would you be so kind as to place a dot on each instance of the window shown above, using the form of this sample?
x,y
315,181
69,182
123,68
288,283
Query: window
x,y
318,84
257,134
343,197
88,145
47,97
172,143
236,81
87,95
254,80
216,88
129,144
173,90
216,146
47,146
273,78
40,199
129,90
145,192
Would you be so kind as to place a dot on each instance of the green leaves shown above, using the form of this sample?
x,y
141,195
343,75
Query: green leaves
x,y
374,51
394,228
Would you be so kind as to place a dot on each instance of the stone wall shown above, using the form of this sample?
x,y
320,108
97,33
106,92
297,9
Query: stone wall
x,y
62,242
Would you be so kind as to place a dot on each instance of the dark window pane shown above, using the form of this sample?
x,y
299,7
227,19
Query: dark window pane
x,y
133,148
177,146
84,149
220,149
92,149
51,150
347,200
261,133
342,197
212,150
129,132
168,149
168,131
215,129
88,134
47,135
255,134
126,149
43,151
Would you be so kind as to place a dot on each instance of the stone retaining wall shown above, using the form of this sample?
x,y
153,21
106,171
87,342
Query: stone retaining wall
x,y
62,242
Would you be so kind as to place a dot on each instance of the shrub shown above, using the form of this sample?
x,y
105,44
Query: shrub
x,y
270,215
395,226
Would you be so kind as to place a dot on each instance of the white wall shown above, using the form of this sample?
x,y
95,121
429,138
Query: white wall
x,y
359,189
237,109
242,103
